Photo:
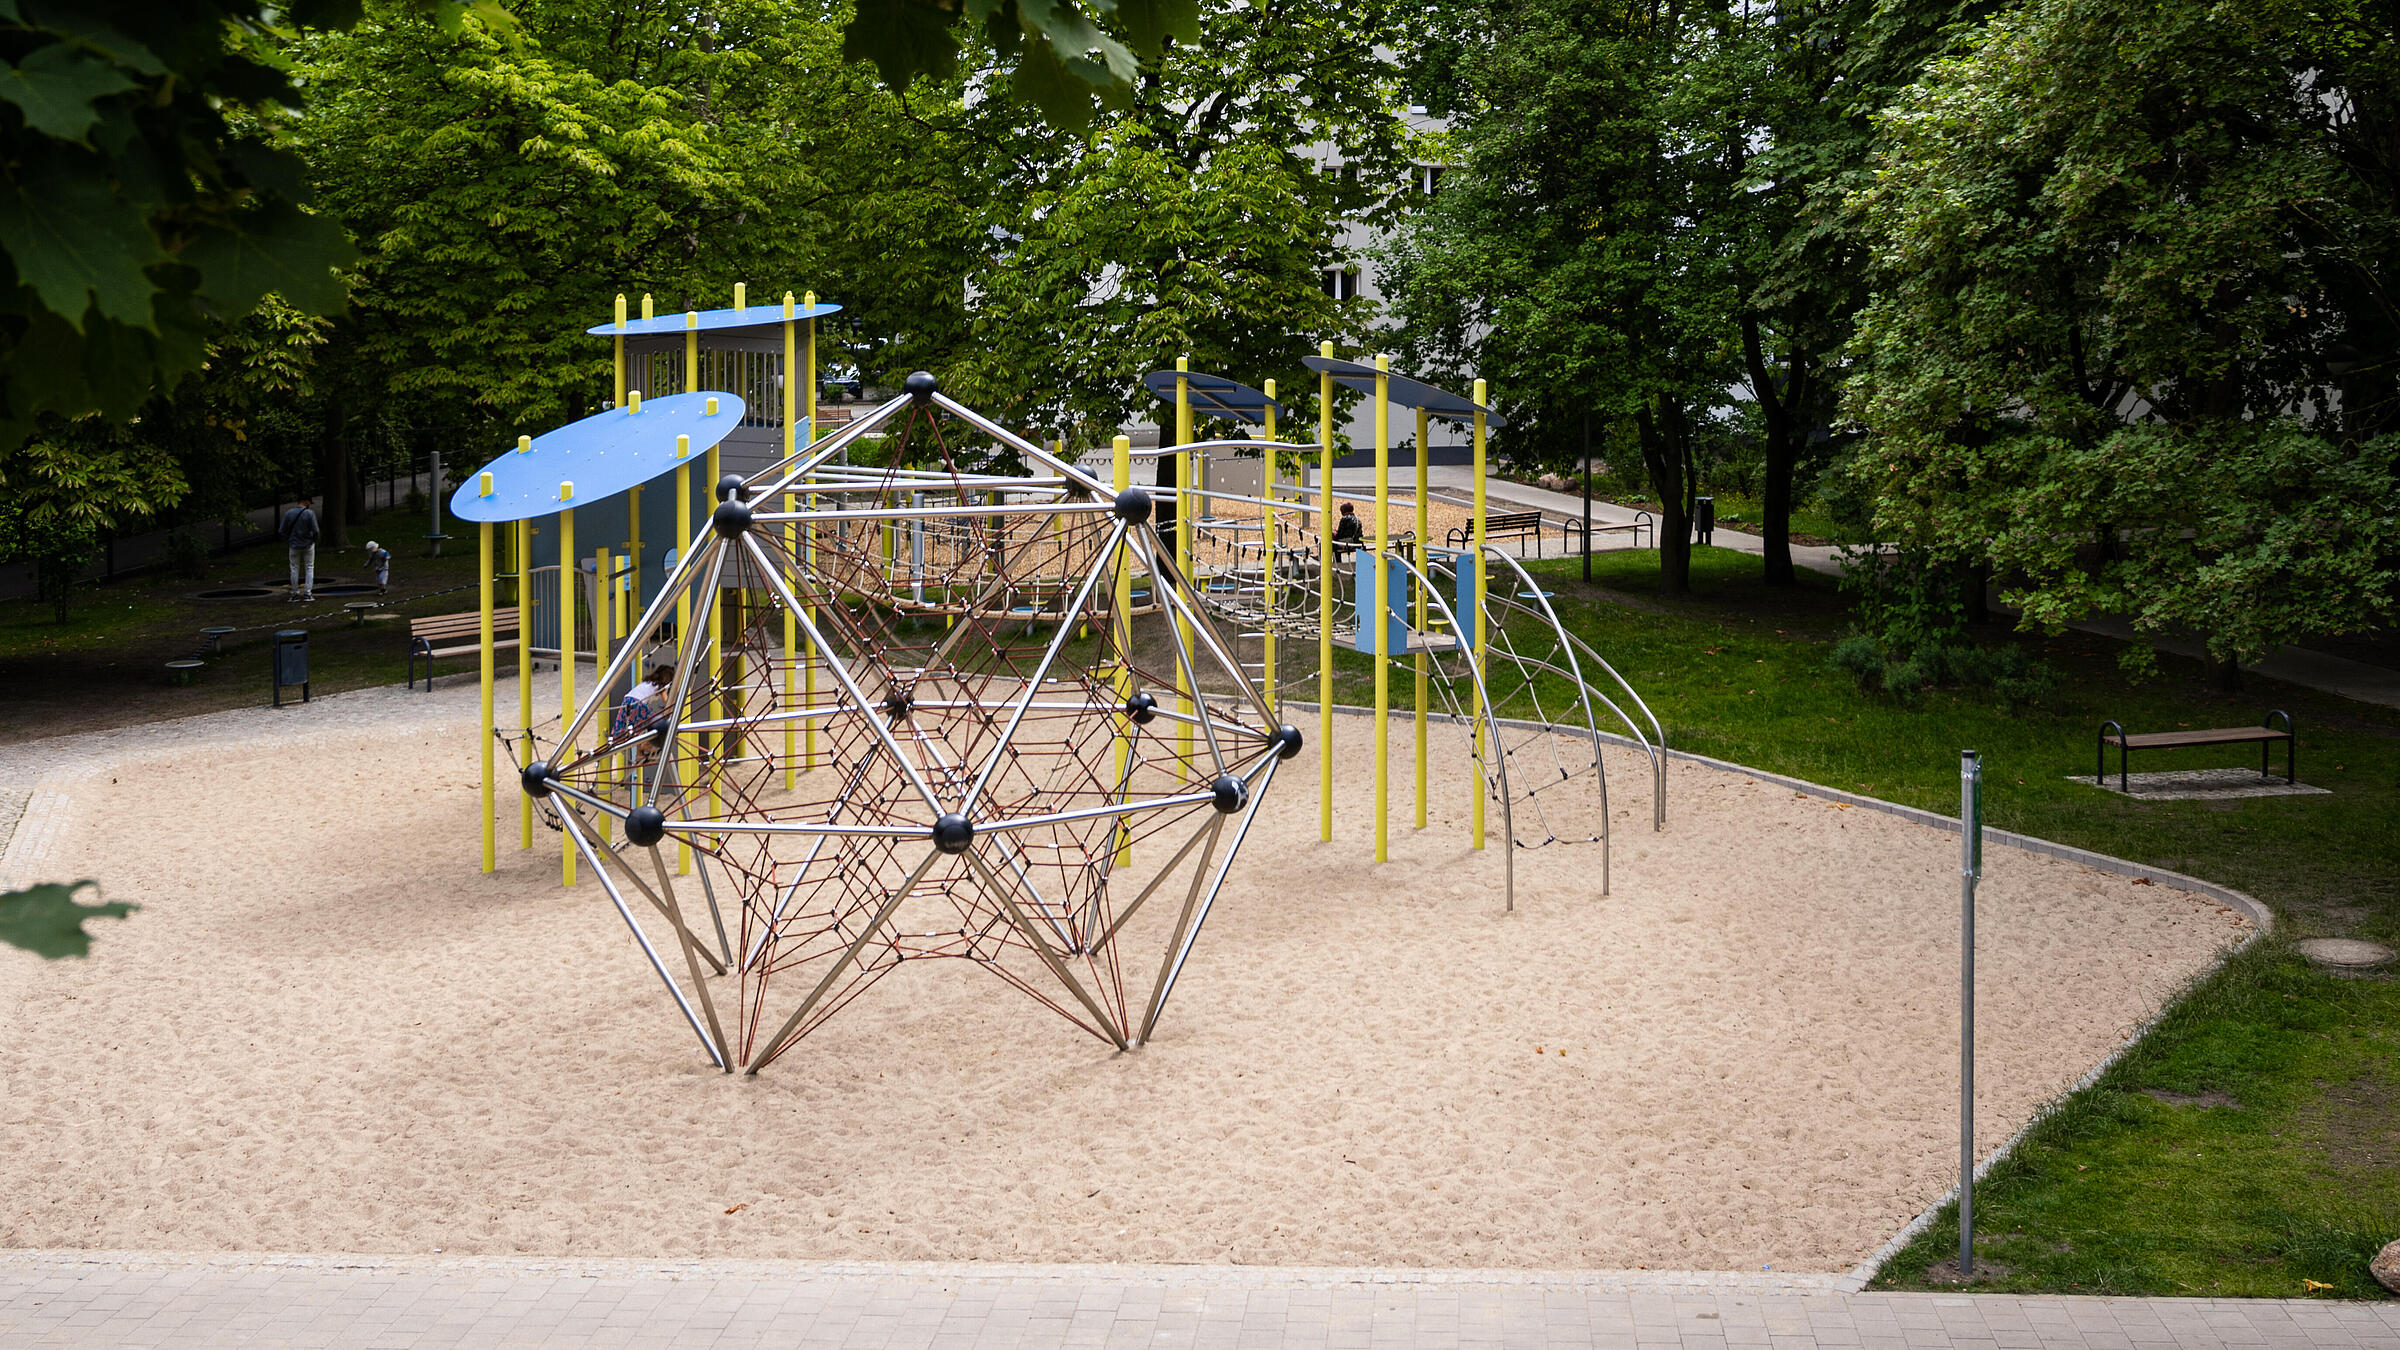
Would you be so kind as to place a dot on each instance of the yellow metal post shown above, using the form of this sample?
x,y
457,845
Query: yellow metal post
x,y
567,571
791,663
1266,574
809,392
1480,611
791,533
1185,498
483,636
525,664
1325,570
1424,487
1378,614
683,627
604,612
1121,611
617,390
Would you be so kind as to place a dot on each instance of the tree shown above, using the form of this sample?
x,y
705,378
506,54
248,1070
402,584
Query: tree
x,y
1195,221
1572,258
2117,249
134,208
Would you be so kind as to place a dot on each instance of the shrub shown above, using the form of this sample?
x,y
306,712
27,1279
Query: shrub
x,y
186,554
1859,658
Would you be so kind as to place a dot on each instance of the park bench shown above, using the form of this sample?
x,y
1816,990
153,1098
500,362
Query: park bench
x,y
2264,734
1518,524
430,639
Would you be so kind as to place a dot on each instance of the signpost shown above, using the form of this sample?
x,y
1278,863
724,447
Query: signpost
x,y
1970,866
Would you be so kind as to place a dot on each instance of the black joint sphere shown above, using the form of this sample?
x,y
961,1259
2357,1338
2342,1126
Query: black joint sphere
x,y
1141,708
731,519
729,488
645,825
1287,741
1232,794
921,385
536,778
1133,506
898,705
953,832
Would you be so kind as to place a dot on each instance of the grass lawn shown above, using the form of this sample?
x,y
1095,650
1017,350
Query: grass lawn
x,y
2250,1145
105,666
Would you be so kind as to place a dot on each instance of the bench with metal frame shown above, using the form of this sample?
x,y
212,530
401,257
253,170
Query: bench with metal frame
x,y
1518,524
2264,734
458,634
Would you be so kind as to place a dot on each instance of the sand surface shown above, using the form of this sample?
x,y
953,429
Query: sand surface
x,y
327,1031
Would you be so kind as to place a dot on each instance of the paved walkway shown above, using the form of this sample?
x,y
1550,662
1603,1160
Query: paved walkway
x,y
116,1299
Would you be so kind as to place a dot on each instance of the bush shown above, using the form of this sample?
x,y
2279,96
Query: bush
x,y
2018,680
1859,658
186,554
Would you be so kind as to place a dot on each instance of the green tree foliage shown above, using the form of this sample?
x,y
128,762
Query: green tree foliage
x,y
509,183
48,920
1578,257
1055,55
135,210
1194,221
2118,250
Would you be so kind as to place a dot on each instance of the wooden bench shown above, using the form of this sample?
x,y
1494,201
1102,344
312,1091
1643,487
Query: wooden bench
x,y
1521,523
2264,734
430,639
1515,524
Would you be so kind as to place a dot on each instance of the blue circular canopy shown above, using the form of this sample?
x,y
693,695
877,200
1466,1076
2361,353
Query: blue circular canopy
x,y
602,455
710,320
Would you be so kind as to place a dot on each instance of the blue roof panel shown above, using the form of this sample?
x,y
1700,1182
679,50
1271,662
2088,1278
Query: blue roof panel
x,y
602,455
749,316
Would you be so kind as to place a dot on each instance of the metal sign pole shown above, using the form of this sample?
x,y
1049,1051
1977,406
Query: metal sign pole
x,y
1970,866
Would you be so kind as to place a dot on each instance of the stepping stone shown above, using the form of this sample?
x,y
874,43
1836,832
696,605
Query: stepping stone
x,y
2345,954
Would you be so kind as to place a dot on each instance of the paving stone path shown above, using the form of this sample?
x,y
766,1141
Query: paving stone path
x,y
114,1299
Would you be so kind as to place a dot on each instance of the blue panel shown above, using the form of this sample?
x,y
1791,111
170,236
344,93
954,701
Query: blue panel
x,y
1213,395
749,316
602,455
1395,587
1402,390
1462,605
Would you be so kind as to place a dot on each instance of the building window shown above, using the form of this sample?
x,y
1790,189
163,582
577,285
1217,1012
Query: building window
x,y
1340,282
1429,178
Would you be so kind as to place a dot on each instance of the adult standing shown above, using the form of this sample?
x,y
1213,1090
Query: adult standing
x,y
299,531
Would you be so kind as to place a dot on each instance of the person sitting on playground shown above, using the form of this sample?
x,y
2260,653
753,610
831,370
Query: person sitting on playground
x,y
644,705
1348,534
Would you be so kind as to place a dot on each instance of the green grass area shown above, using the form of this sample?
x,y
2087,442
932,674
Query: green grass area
x,y
105,665
2120,1191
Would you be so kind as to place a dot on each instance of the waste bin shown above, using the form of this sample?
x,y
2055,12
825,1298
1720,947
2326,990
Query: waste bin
x,y
1704,519
290,655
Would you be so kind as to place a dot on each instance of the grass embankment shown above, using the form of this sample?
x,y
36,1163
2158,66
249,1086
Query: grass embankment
x,y
105,666
2251,1144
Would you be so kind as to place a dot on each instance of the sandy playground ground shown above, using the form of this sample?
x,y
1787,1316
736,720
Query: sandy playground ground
x,y
326,1030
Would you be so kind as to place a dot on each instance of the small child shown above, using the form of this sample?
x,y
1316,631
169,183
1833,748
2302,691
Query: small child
x,y
379,564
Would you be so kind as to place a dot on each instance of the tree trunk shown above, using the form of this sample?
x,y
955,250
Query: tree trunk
x,y
1978,584
1664,455
1775,491
2229,677
336,515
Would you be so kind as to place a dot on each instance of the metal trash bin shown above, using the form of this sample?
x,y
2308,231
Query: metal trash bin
x,y
1704,519
290,657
